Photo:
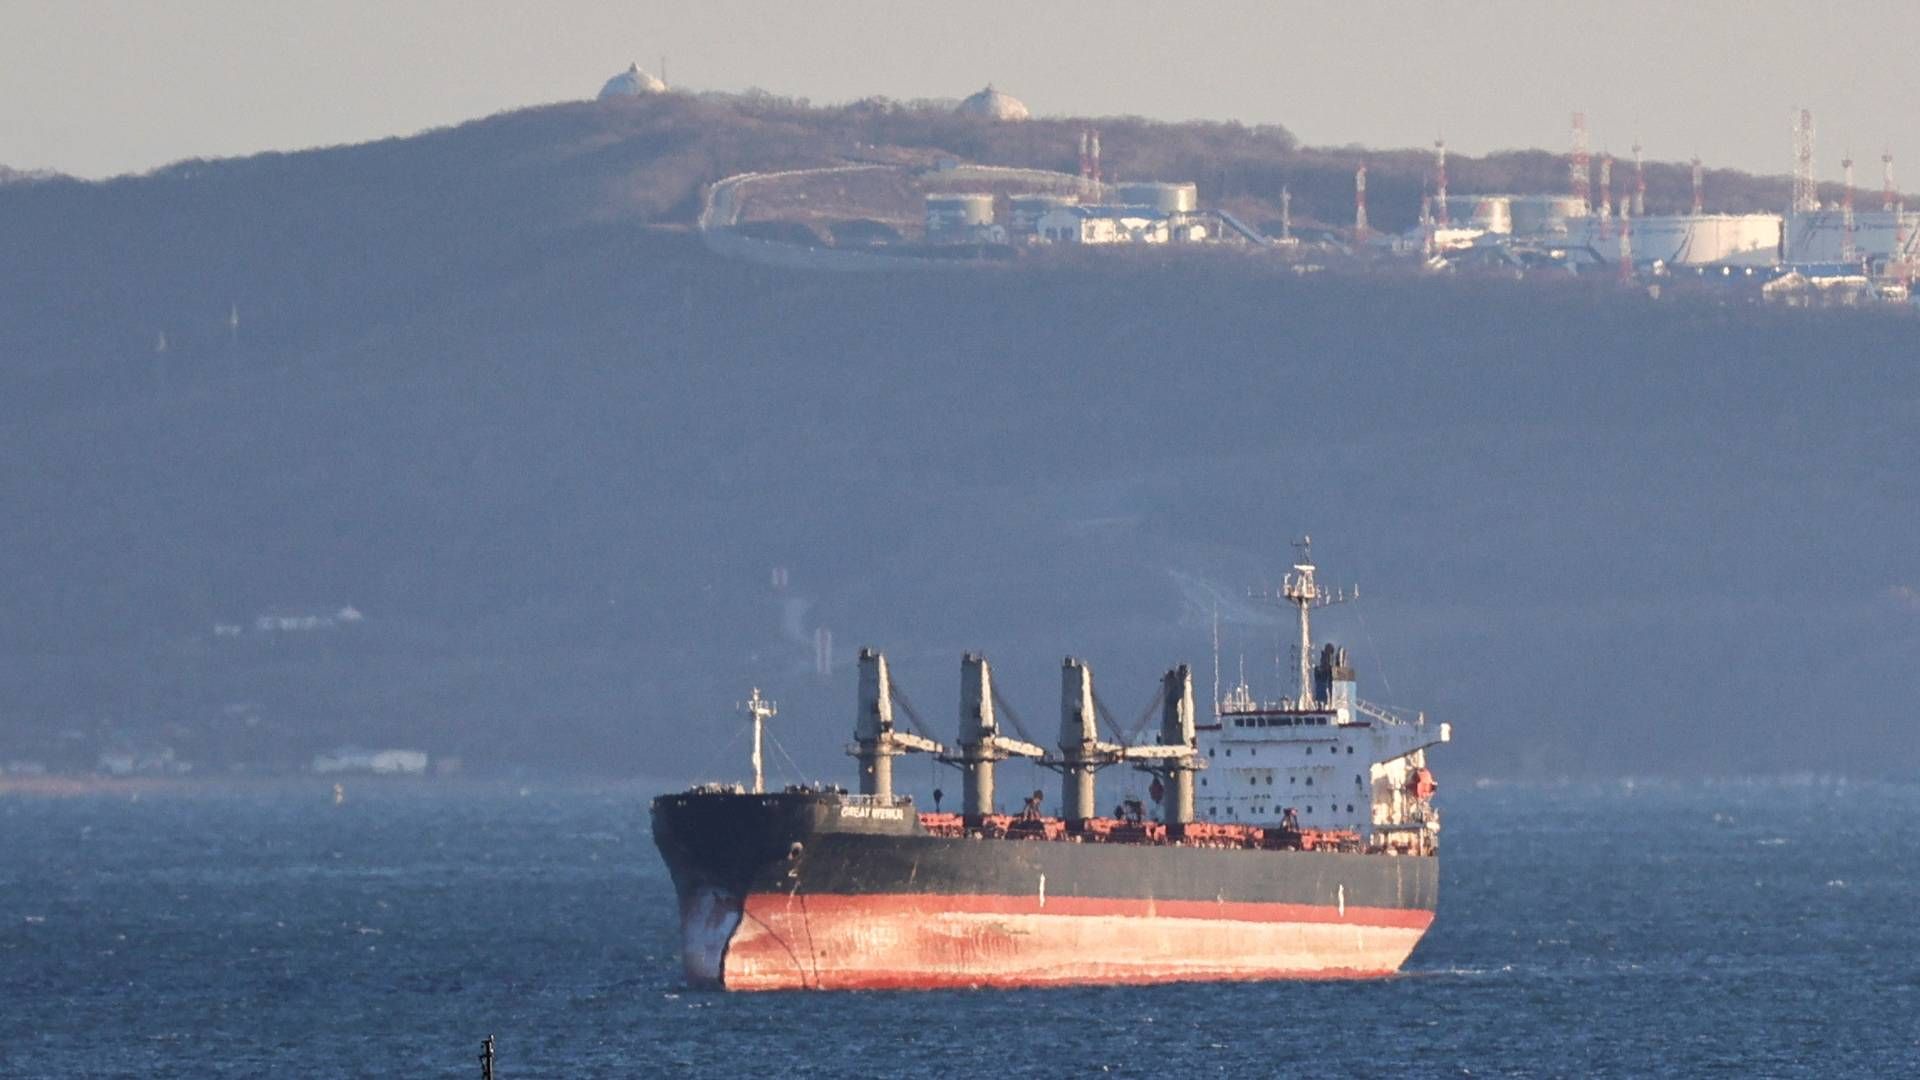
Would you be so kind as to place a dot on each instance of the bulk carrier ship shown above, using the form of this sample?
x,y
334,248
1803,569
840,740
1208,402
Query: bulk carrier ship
x,y
1288,839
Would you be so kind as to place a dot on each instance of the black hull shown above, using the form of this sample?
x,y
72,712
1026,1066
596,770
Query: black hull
x,y
757,874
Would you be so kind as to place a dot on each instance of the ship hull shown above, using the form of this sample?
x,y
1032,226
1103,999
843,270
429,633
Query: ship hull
x,y
780,892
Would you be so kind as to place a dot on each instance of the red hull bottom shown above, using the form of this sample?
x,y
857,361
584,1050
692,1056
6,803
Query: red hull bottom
x,y
777,942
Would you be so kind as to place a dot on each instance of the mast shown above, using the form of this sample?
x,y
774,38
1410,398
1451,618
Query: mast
x,y
1300,590
761,710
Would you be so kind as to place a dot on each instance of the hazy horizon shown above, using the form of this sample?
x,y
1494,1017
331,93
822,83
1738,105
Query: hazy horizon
x,y
94,89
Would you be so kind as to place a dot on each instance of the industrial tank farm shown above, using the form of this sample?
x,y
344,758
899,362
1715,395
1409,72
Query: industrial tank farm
x,y
928,209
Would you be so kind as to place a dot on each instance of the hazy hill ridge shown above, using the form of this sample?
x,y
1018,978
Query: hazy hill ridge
x,y
481,386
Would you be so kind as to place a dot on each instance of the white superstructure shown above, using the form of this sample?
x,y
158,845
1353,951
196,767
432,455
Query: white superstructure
x,y
1335,761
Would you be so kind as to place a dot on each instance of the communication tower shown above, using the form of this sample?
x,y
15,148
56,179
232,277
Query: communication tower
x,y
1360,204
1625,259
1579,165
1699,188
1887,195
1440,183
1639,182
1806,192
1605,208
1286,214
1847,250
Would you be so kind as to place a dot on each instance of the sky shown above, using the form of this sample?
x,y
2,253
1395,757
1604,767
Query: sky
x,y
97,88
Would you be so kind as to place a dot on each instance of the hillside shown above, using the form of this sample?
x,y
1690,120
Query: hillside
x,y
489,394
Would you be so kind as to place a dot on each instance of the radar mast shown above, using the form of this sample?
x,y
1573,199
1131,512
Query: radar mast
x,y
760,710
1301,591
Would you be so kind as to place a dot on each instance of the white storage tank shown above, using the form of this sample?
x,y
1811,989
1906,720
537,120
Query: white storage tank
x,y
1820,236
959,218
1537,215
1488,213
1686,239
1165,198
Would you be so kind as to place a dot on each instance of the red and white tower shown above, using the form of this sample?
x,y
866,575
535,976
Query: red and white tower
x,y
1699,189
1093,159
1887,195
1440,183
1580,165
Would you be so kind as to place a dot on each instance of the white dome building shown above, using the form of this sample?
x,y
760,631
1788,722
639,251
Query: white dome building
x,y
994,105
632,83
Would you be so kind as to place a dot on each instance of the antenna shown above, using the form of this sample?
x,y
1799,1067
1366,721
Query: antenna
x,y
1216,658
1699,189
1578,165
760,710
1806,192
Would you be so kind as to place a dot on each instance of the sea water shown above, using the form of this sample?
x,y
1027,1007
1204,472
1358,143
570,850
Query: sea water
x,y
1748,928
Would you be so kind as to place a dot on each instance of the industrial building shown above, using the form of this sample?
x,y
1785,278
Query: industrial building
x,y
1104,225
1024,213
964,218
1142,212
